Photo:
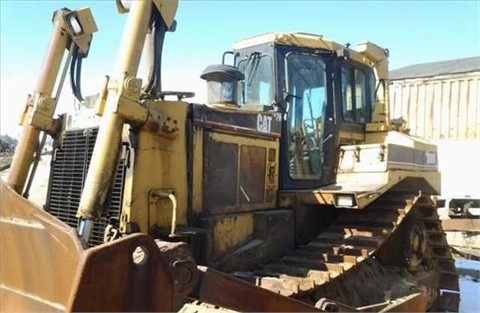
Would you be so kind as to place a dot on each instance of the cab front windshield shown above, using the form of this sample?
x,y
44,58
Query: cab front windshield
x,y
257,87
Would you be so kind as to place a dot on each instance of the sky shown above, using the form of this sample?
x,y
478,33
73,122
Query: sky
x,y
413,31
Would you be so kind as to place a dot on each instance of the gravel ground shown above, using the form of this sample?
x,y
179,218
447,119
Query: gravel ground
x,y
5,160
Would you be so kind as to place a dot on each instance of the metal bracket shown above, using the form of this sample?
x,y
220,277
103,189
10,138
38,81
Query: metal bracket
x,y
41,114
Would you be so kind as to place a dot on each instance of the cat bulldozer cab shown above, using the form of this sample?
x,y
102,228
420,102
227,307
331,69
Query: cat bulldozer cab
x,y
288,190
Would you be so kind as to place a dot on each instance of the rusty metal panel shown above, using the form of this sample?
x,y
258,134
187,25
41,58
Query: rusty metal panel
x,y
441,107
252,174
237,175
128,274
220,174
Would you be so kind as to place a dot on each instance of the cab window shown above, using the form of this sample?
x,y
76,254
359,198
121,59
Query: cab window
x,y
355,107
257,87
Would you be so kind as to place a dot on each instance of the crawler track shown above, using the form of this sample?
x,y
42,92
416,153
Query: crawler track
x,y
369,256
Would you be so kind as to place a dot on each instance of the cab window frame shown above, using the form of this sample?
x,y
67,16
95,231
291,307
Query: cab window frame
x,y
240,63
360,106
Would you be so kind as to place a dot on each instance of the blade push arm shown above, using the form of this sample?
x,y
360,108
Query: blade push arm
x,y
120,106
68,26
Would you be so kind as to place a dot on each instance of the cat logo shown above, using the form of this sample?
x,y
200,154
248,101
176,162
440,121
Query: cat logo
x,y
264,123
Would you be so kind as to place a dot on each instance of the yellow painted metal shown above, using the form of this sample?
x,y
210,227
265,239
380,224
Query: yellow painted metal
x,y
41,114
379,182
377,58
39,109
229,232
160,164
368,170
197,197
127,105
298,39
351,137
108,143
397,138
168,10
366,53
102,98
28,140
88,26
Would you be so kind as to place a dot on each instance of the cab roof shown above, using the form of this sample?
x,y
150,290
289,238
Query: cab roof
x,y
301,39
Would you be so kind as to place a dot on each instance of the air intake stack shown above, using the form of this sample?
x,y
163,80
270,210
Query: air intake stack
x,y
222,83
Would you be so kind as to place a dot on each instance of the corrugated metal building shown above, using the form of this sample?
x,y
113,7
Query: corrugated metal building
x,y
441,102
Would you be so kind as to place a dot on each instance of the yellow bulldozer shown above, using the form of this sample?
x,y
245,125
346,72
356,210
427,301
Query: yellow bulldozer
x,y
289,190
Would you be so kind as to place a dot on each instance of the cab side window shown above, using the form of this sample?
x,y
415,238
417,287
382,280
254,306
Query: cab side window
x,y
354,95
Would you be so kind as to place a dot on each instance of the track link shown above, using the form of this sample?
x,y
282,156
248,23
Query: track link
x,y
443,263
358,258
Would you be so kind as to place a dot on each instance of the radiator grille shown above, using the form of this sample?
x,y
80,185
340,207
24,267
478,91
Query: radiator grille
x,y
67,176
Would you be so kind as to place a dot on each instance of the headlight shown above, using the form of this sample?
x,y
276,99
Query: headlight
x,y
345,200
75,25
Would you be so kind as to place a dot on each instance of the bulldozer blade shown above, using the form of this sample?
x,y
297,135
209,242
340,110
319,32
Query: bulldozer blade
x,y
45,268
39,256
232,293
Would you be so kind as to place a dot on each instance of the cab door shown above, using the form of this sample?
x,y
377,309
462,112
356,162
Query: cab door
x,y
308,142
